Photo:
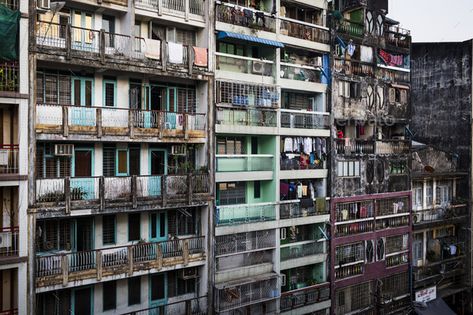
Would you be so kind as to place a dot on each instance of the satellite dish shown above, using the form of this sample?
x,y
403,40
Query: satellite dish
x,y
429,169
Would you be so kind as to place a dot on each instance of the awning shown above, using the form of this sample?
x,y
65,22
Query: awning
x,y
254,39
400,86
435,307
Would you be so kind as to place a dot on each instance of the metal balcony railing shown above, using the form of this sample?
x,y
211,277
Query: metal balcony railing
x,y
9,76
352,28
60,268
196,306
448,212
245,65
244,163
74,191
249,116
9,159
9,241
293,209
175,7
301,249
300,72
299,298
304,119
246,17
303,30
245,213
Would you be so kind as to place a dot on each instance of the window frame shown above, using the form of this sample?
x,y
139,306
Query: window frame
x,y
109,300
138,215
114,218
135,290
104,87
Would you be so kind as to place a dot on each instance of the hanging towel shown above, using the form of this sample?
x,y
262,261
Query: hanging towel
x,y
200,57
288,145
299,191
176,53
153,49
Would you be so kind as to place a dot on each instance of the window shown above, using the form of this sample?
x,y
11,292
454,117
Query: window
x,y
349,89
186,222
134,291
380,249
109,161
50,166
430,195
231,49
109,93
348,168
53,235
157,286
109,295
230,145
231,193
418,196
398,167
369,248
122,162
53,88
108,229
134,229
442,194
257,190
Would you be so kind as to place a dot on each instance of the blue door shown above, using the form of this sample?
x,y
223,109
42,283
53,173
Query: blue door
x,y
82,183
82,94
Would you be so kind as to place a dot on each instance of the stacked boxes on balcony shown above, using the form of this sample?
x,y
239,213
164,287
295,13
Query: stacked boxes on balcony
x,y
13,157
370,206
272,134
121,175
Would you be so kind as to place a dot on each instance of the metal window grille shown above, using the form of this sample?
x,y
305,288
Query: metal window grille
x,y
108,229
396,243
109,94
232,193
109,161
349,253
242,94
392,206
354,298
395,285
230,244
354,210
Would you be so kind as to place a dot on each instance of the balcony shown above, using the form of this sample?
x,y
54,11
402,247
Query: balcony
x,y
235,295
244,17
354,67
348,146
246,94
108,124
241,120
244,167
301,253
196,306
440,215
185,9
9,159
352,28
307,121
65,268
302,77
304,297
306,32
293,209
115,193
9,242
97,48
245,213
243,68
397,37
393,76
9,78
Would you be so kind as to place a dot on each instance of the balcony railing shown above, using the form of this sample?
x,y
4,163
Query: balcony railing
x,y
300,73
245,65
245,94
9,76
451,212
303,30
353,67
246,17
64,267
243,242
302,249
393,75
9,161
78,192
245,163
175,7
249,116
196,306
110,45
99,121
9,237
304,119
443,266
352,28
293,209
299,298
379,147
245,213
398,37
238,296
354,146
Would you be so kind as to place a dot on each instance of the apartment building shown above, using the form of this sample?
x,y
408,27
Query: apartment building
x,y
13,157
272,133
120,156
440,228
441,119
370,185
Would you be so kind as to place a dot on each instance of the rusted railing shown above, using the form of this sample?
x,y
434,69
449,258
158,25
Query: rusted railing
x,y
354,146
303,30
120,259
354,67
398,37
71,191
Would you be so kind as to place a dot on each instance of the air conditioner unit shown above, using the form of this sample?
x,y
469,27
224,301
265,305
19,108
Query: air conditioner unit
x,y
258,67
5,239
63,149
44,4
178,149
188,273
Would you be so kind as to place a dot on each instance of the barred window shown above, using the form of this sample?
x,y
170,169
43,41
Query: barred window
x,y
53,235
109,93
50,166
108,229
231,193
